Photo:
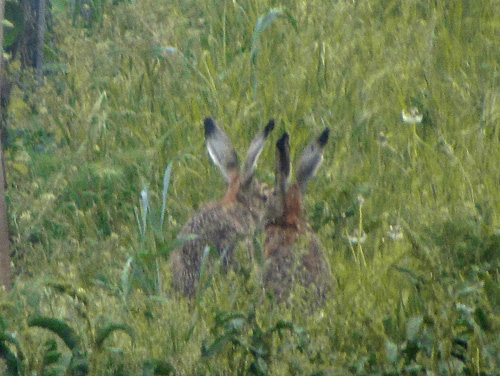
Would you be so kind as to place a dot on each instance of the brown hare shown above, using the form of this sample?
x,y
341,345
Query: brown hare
x,y
222,224
293,255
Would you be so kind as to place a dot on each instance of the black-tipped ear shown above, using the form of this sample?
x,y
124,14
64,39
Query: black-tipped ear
x,y
269,127
323,137
220,149
311,159
254,151
283,141
283,148
210,127
283,165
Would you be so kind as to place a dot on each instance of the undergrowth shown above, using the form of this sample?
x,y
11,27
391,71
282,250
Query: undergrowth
x,y
106,162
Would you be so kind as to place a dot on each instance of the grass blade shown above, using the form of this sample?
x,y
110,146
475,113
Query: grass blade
x,y
60,328
158,367
166,183
12,361
105,332
126,280
263,22
145,209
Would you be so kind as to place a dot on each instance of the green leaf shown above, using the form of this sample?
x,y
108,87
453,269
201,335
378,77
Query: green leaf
x,y
105,332
470,288
412,276
263,22
145,209
492,290
413,327
51,354
158,367
292,20
230,320
217,346
199,293
259,367
391,350
13,361
258,253
300,332
4,337
14,22
160,52
159,299
259,348
482,319
79,365
51,357
126,280
69,290
58,327
410,351
8,24
166,183
283,325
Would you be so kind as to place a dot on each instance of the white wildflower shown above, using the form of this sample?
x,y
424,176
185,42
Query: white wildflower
x,y
361,199
382,139
413,116
48,197
395,233
25,216
356,238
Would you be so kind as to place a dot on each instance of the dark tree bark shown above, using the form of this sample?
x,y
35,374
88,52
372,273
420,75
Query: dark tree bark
x,y
5,272
40,33
26,47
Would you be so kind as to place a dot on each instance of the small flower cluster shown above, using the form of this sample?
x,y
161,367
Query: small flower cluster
x,y
413,116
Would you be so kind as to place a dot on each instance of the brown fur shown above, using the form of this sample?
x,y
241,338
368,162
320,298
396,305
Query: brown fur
x,y
220,225
224,224
292,251
293,254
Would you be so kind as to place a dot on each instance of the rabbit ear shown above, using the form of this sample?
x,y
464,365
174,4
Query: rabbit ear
x,y
283,165
311,159
220,149
254,152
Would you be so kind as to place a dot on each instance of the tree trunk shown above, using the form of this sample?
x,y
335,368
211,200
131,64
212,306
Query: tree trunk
x,y
5,273
40,38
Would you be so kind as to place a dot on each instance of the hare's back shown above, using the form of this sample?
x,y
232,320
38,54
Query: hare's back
x,y
220,221
214,226
316,269
281,262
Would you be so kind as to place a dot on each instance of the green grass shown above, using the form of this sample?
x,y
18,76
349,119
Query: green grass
x,y
129,98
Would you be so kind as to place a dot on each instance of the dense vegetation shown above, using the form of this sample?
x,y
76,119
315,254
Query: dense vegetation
x,y
408,213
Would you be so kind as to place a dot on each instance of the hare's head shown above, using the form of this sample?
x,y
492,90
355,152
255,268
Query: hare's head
x,y
242,187
284,207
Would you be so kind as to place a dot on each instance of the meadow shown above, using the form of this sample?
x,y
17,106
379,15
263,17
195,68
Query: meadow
x,y
107,161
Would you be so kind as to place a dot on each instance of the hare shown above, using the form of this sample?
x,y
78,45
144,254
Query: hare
x,y
222,224
292,251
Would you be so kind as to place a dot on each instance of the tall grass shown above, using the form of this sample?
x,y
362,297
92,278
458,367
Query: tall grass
x,y
130,98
